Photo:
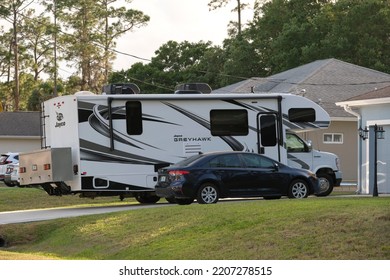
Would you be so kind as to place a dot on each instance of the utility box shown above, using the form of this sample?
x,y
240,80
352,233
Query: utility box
x,y
45,166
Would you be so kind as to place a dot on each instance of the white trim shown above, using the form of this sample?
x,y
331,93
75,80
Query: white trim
x,y
20,137
378,122
364,102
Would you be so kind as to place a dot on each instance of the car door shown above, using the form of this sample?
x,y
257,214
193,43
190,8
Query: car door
x,y
231,173
263,175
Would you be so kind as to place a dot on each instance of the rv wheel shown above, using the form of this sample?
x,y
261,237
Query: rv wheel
x,y
147,198
326,184
184,201
171,200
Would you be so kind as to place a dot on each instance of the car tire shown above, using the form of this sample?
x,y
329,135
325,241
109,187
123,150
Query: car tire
x,y
326,184
184,201
298,189
208,194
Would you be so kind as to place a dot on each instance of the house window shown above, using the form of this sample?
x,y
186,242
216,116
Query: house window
x,y
333,138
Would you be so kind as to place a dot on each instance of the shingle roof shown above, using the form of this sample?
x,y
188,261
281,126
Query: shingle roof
x,y
375,94
323,81
19,124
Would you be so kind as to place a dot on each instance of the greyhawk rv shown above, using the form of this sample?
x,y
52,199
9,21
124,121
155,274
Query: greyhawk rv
x,y
104,145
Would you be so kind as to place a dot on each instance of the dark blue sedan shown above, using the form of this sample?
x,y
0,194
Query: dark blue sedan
x,y
208,177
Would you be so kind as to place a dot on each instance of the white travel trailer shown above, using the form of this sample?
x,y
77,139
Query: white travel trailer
x,y
102,145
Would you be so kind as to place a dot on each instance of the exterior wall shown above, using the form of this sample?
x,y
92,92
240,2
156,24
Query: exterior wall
x,y
371,115
347,150
19,144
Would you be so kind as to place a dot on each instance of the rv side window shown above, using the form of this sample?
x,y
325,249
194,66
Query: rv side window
x,y
301,115
134,117
268,130
229,122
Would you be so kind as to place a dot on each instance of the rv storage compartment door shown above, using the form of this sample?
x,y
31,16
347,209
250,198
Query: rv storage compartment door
x,y
45,166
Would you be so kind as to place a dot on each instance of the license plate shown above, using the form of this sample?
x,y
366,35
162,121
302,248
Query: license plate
x,y
163,178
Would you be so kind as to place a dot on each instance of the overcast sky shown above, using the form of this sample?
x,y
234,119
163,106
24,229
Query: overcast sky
x,y
176,20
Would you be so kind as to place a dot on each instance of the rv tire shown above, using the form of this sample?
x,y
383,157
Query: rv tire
x,y
9,184
171,200
298,189
184,201
147,198
326,184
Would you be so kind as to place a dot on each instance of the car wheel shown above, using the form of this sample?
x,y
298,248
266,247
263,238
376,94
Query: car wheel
x,y
326,184
208,194
184,201
147,198
298,189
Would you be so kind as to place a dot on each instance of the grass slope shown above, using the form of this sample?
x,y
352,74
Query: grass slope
x,y
314,228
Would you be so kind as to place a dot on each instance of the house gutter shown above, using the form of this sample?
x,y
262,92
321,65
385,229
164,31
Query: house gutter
x,y
359,167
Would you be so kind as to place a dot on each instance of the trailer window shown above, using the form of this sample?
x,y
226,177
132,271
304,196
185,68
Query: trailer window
x,y
229,122
301,115
134,117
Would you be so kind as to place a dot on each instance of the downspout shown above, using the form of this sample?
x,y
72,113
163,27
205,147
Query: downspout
x,y
359,117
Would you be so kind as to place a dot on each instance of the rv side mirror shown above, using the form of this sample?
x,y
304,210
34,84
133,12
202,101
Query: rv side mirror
x,y
309,146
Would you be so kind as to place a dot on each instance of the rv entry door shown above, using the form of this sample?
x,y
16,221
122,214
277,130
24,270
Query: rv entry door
x,y
267,135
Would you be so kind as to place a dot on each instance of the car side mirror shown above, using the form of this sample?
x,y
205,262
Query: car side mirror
x,y
276,166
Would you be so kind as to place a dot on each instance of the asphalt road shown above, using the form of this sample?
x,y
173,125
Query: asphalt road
x,y
27,216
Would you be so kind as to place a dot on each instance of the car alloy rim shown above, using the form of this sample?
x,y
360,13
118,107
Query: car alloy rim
x,y
299,190
209,194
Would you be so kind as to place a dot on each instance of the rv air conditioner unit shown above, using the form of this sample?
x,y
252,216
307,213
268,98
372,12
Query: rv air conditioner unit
x,y
192,88
121,89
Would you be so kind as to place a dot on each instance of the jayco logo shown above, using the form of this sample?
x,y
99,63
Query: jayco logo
x,y
59,122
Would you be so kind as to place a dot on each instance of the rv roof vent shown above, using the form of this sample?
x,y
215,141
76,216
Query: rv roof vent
x,y
121,89
193,88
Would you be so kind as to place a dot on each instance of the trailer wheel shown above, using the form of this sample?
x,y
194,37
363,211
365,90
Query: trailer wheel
x,y
326,184
298,189
208,194
147,198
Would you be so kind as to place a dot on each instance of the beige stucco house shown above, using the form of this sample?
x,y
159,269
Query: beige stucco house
x,y
325,82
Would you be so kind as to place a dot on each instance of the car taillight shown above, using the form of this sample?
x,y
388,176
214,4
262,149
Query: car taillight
x,y
177,174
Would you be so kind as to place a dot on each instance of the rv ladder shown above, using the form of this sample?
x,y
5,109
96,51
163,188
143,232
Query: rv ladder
x,y
42,126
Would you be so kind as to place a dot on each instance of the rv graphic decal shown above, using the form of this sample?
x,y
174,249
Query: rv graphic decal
x,y
59,122
180,138
231,141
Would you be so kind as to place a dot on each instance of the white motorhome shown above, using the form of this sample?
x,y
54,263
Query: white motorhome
x,y
102,145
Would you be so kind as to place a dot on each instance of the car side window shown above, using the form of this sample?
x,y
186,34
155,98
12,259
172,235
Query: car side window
x,y
254,161
229,161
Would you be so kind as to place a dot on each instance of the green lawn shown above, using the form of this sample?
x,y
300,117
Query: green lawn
x,y
335,228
